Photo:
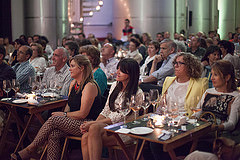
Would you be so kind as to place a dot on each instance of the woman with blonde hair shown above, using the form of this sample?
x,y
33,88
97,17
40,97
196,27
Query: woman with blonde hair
x,y
84,103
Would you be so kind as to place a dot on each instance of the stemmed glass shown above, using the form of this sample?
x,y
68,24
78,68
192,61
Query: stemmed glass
x,y
154,97
7,86
33,84
15,85
194,101
124,110
135,106
145,104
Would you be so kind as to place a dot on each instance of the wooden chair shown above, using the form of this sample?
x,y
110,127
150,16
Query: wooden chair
x,y
65,145
114,149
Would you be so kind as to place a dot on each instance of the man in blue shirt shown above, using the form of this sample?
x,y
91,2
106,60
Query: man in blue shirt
x,y
24,70
168,50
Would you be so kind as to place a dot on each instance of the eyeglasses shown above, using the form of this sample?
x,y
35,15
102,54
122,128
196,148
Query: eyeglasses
x,y
178,63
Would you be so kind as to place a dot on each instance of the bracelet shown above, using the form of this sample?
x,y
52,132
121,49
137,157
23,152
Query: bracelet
x,y
65,114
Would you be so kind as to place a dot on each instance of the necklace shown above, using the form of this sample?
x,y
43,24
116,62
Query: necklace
x,y
76,87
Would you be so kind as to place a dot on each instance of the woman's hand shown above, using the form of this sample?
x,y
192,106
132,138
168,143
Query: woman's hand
x,y
85,126
58,114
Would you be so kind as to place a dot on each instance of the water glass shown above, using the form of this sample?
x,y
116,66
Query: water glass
x,y
145,104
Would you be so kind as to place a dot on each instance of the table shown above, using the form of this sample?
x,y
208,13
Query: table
x,y
34,110
193,133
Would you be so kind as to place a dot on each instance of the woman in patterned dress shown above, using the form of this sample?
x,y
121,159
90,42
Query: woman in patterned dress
x,y
83,92
126,85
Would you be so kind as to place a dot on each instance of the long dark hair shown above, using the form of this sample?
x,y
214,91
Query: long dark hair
x,y
130,67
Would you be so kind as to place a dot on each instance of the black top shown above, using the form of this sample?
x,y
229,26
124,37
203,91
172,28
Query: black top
x,y
6,73
74,102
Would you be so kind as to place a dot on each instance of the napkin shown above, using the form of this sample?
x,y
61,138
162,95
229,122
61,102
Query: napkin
x,y
123,130
32,101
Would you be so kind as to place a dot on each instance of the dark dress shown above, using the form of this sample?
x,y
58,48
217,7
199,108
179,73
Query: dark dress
x,y
74,102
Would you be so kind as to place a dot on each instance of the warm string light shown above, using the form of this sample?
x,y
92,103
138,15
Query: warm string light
x,y
88,13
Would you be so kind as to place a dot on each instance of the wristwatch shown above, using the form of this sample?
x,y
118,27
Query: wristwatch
x,y
65,114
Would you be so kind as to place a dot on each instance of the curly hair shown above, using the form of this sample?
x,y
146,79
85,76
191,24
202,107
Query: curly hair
x,y
193,65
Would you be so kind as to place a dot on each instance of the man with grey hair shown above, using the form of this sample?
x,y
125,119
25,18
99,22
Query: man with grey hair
x,y
58,75
168,49
181,47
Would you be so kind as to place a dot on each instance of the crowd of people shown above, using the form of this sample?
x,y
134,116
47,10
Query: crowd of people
x,y
199,68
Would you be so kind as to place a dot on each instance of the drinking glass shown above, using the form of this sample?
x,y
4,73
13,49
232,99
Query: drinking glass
x,y
15,85
145,104
154,97
124,110
135,106
7,86
33,84
194,100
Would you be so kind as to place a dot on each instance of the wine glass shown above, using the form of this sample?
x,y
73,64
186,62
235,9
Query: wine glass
x,y
124,110
33,84
145,103
194,101
7,86
15,85
154,97
135,106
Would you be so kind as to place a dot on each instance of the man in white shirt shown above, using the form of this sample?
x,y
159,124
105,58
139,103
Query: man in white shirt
x,y
58,75
109,62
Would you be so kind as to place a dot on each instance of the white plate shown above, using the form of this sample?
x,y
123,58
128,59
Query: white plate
x,y
141,130
19,101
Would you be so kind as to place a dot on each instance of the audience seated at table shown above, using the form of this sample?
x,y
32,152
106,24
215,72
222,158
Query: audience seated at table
x,y
23,68
141,48
95,136
223,101
93,55
36,60
84,103
153,49
59,72
133,50
168,49
109,62
213,53
195,47
227,49
17,44
72,48
180,90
